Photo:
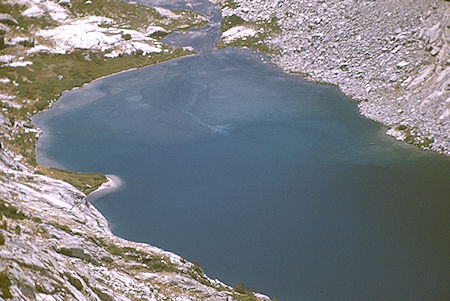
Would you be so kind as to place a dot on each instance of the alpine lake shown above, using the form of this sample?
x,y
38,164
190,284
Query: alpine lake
x,y
260,176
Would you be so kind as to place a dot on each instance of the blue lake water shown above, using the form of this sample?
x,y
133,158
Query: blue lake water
x,y
259,176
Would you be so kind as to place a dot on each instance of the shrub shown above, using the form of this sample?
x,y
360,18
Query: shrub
x,y
240,288
5,283
126,37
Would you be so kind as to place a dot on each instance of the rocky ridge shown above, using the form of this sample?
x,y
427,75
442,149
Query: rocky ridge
x,y
54,245
392,57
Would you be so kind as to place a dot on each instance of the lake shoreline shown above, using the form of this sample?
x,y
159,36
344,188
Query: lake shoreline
x,y
113,183
396,83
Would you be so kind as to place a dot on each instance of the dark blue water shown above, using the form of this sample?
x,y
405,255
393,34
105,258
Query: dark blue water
x,y
259,176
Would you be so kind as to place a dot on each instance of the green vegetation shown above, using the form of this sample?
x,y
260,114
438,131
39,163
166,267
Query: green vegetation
x,y
154,262
197,268
412,137
75,281
266,30
196,272
401,127
9,211
135,16
63,228
243,293
85,182
126,37
102,295
229,4
26,24
232,21
5,284
50,75
2,239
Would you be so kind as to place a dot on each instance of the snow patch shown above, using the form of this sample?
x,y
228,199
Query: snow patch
x,y
238,32
56,11
87,34
154,29
33,12
19,64
166,13
6,58
38,49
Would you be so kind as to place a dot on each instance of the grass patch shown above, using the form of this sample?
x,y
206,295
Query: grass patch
x,y
196,272
155,263
26,24
63,228
229,4
102,295
401,127
243,293
75,282
136,16
5,284
412,137
232,21
85,182
197,268
9,211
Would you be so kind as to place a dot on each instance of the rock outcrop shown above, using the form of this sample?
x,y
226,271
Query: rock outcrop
x,y
390,56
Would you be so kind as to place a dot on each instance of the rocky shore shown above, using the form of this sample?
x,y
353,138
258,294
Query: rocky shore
x,y
392,57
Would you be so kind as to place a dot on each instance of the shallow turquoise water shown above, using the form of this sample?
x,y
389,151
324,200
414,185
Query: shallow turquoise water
x,y
261,177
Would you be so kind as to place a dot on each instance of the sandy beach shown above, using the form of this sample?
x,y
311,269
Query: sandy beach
x,y
114,183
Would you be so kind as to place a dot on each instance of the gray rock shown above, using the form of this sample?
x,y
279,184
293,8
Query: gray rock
x,y
8,19
4,29
64,2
